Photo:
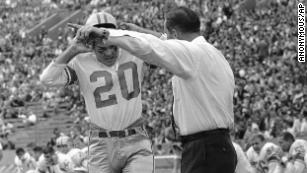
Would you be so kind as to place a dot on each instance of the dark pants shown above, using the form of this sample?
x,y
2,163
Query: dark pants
x,y
208,152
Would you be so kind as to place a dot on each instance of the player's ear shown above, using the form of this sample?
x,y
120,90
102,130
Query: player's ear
x,y
174,33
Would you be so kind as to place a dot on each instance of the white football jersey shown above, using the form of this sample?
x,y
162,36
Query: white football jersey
x,y
112,94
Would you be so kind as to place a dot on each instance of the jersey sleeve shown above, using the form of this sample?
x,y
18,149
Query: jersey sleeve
x,y
71,72
59,74
173,55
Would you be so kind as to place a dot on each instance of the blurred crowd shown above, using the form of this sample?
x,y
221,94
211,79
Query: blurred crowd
x,y
260,44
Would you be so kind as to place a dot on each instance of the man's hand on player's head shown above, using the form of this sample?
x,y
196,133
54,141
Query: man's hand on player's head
x,y
87,37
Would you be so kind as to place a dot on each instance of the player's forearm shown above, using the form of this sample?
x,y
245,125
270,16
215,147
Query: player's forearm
x,y
138,47
154,51
67,55
147,31
133,45
53,75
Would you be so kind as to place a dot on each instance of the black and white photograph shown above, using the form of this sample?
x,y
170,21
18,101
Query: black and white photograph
x,y
153,86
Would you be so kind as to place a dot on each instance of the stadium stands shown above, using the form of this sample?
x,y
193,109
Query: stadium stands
x,y
260,45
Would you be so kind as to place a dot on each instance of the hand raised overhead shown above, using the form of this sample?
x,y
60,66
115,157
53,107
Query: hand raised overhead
x,y
89,33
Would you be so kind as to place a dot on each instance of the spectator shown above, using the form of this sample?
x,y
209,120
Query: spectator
x,y
23,161
64,144
29,148
37,153
254,151
56,134
54,162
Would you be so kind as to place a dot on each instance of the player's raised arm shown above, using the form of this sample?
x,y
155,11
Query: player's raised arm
x,y
58,73
180,55
170,54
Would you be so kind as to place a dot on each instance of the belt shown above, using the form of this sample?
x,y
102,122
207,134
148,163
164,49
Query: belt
x,y
205,134
119,133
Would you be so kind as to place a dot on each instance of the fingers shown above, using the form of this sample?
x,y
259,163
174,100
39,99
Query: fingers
x,y
86,35
105,33
82,33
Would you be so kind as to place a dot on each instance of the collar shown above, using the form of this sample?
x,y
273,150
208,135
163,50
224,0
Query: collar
x,y
199,39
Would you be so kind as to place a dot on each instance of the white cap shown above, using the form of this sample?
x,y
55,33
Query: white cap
x,y
101,18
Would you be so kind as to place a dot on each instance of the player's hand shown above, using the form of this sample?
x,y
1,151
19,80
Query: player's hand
x,y
88,34
81,47
129,26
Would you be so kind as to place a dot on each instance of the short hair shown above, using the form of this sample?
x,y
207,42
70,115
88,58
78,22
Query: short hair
x,y
185,19
287,136
48,150
19,151
38,149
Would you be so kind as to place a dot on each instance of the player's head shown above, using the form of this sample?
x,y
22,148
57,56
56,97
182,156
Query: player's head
x,y
50,156
258,142
105,54
286,141
64,144
20,153
180,22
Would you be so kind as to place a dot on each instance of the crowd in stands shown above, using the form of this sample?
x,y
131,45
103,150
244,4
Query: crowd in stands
x,y
270,96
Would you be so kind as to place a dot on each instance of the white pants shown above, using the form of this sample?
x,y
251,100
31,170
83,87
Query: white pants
x,y
132,154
